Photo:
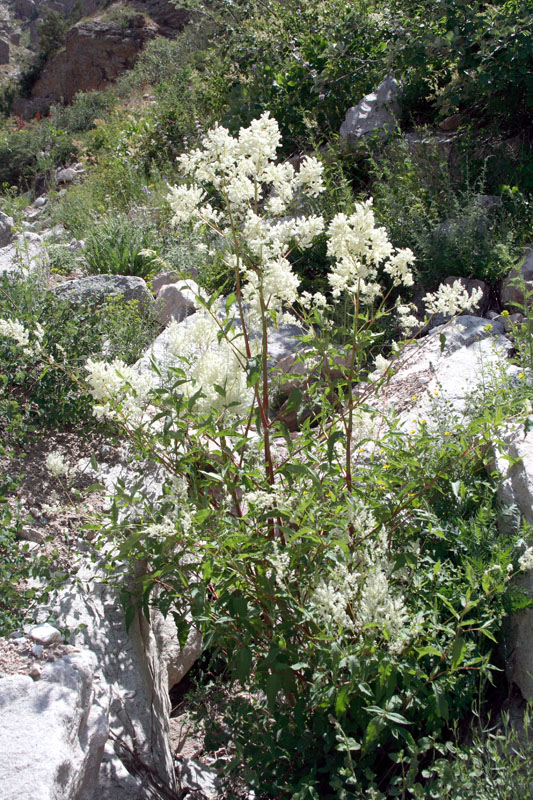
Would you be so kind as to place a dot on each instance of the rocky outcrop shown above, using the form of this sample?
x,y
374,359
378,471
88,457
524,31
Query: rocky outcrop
x,y
134,677
4,52
53,731
95,289
375,115
96,52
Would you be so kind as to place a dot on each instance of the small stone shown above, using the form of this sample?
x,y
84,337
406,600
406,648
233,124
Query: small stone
x,y
45,634
32,535
37,650
35,672
40,202
17,635
67,175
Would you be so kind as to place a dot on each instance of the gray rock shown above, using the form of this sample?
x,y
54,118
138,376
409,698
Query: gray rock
x,y
176,301
177,660
45,634
26,254
40,202
31,535
24,9
53,732
4,52
198,778
14,38
163,279
131,674
6,229
518,285
67,175
96,288
37,650
376,114
513,461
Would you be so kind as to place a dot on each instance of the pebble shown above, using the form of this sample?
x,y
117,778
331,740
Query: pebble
x,y
45,634
37,650
17,635
35,672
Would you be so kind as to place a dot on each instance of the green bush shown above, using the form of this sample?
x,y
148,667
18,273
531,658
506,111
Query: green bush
x,y
29,156
451,225
36,394
80,115
117,246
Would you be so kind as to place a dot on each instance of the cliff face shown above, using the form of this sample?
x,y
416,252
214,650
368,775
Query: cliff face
x,y
96,52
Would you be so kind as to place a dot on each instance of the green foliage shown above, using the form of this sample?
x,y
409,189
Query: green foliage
x,y
28,156
17,564
36,394
454,228
116,246
81,114
52,30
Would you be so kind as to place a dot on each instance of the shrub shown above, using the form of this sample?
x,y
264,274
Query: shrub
x,y
119,247
330,574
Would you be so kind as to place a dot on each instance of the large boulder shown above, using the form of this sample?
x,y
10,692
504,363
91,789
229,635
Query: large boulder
x,y
513,463
95,289
517,288
176,301
376,114
132,674
53,731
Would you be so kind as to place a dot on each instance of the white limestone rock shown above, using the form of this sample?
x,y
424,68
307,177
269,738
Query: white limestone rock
x,y
53,731
375,115
46,634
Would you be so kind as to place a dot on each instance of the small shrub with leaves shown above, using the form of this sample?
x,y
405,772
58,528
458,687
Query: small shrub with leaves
x,y
117,246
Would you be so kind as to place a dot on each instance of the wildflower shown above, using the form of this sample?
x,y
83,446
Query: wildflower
x,y
56,464
451,300
525,561
13,329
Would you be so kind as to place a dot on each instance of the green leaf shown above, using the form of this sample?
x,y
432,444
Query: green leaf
x,y
243,663
295,401
342,701
272,687
442,340
201,515
458,652
332,440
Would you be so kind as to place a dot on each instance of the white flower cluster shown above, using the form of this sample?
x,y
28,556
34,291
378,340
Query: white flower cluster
x,y
56,464
13,329
358,594
451,300
281,561
117,386
243,170
209,361
360,248
525,561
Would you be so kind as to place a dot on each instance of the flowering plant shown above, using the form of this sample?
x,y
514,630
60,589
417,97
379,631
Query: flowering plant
x,y
315,560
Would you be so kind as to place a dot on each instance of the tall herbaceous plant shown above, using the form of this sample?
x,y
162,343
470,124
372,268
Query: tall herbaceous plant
x,y
323,560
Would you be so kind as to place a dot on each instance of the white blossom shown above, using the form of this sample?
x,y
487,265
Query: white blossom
x,y
13,329
525,561
451,300
56,464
